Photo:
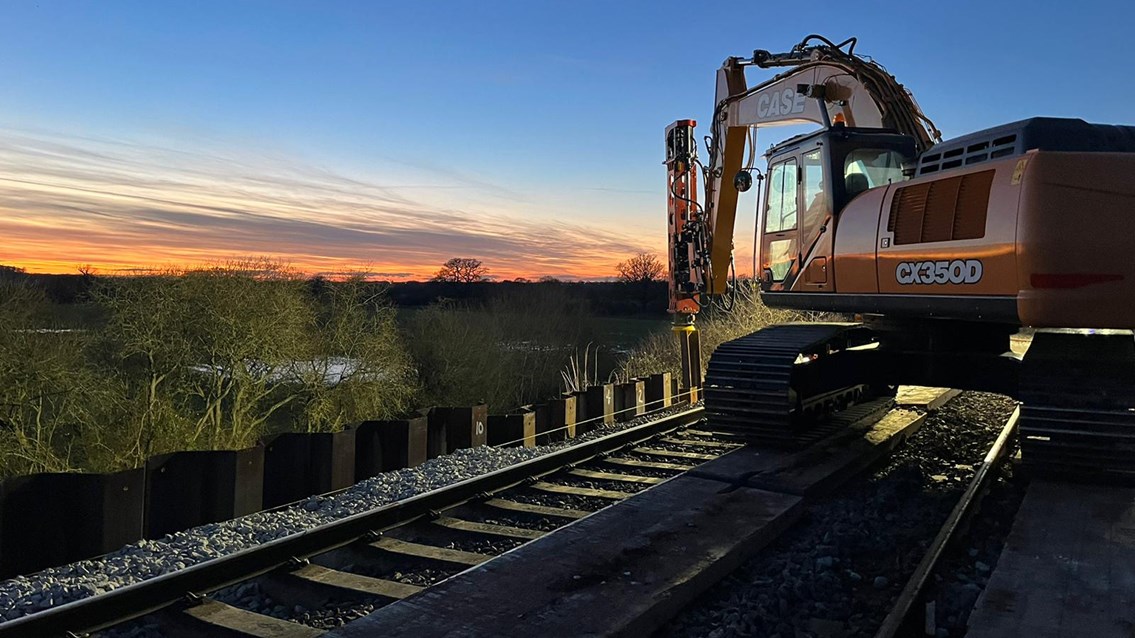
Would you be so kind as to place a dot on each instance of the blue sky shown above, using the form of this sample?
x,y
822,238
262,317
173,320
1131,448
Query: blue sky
x,y
525,133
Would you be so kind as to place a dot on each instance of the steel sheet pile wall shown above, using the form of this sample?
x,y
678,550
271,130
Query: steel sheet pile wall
x,y
54,519
297,465
187,489
49,519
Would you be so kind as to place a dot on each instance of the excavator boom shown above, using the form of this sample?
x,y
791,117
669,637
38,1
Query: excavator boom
x,y
827,83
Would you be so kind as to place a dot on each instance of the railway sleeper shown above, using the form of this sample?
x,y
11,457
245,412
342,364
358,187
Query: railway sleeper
x,y
215,619
649,465
313,585
400,550
537,510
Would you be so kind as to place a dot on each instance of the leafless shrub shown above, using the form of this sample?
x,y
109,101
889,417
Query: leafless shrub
x,y
47,395
209,358
358,367
214,358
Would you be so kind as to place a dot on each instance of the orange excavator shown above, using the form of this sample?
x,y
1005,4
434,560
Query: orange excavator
x,y
942,249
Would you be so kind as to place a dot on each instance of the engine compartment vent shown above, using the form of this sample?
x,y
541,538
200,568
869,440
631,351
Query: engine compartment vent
x,y
941,210
1016,138
967,155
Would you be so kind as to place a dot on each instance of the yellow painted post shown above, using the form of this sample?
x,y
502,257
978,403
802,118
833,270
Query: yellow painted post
x,y
690,341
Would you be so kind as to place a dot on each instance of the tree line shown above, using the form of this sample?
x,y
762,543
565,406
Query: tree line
x,y
220,356
643,267
636,289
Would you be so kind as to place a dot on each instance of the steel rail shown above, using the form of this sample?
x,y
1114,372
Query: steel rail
x,y
138,599
900,614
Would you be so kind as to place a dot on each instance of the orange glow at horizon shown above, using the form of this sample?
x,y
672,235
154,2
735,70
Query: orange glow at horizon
x,y
117,207
312,265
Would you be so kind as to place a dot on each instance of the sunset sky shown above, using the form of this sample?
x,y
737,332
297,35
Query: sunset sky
x,y
390,136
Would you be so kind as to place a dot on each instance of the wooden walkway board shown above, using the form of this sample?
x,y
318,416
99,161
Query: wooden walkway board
x,y
488,528
924,397
429,551
355,582
620,571
616,476
580,491
541,510
235,619
1068,567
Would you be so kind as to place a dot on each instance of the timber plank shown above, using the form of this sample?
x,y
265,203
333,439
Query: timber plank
x,y
487,528
418,550
616,476
529,508
580,491
234,619
354,582
650,465
1068,567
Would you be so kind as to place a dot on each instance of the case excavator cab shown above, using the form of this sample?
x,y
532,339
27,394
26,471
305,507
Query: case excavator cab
x,y
810,179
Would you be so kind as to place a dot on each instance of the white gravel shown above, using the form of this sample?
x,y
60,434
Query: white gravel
x,y
149,558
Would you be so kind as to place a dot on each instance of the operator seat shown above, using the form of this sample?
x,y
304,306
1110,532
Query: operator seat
x,y
855,183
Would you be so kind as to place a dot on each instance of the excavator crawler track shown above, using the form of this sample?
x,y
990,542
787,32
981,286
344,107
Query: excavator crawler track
x,y
773,386
1078,405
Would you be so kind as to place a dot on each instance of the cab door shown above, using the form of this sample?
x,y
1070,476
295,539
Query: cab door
x,y
780,245
815,222
795,244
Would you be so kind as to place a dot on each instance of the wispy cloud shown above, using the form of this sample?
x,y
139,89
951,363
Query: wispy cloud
x,y
67,200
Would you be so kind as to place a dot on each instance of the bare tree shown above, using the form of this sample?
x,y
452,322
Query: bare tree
x,y
462,270
202,350
359,369
641,268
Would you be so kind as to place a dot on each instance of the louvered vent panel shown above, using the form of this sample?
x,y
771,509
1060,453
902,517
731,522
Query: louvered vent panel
x,y
942,210
973,206
907,210
938,220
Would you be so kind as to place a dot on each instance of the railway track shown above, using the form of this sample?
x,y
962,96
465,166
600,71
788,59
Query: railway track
x,y
377,557
873,557
911,613
627,569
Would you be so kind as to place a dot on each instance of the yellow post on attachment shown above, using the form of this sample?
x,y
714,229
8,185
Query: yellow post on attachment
x,y
690,341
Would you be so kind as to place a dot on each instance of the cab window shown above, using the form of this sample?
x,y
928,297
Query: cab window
x,y
870,167
814,197
780,211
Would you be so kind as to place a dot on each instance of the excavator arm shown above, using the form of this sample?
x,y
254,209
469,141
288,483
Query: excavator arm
x,y
826,83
